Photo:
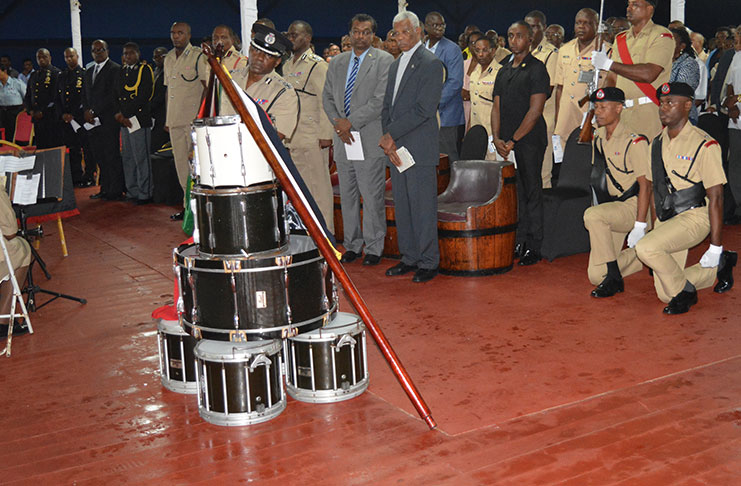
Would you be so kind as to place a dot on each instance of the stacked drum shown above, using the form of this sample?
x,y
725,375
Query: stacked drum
x,y
254,301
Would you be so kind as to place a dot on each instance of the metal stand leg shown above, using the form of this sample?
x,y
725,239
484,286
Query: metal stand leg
x,y
17,299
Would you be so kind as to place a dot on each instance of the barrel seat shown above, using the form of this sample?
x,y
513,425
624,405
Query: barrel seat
x,y
477,219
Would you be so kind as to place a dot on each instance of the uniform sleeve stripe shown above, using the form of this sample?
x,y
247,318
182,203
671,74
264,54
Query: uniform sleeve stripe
x,y
711,143
667,35
640,138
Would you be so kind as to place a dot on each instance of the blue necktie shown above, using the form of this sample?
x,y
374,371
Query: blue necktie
x,y
351,84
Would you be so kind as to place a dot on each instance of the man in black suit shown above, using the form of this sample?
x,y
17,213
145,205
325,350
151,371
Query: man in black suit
x,y
99,103
39,101
158,104
409,120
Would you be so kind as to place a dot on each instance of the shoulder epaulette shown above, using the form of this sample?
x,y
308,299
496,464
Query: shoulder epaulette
x,y
711,143
638,138
667,34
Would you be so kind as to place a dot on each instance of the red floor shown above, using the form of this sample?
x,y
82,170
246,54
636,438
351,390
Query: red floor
x,y
530,380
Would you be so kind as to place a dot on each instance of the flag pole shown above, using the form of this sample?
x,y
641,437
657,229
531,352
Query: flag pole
x,y
322,243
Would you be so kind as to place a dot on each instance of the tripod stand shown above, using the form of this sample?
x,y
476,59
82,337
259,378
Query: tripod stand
x,y
32,289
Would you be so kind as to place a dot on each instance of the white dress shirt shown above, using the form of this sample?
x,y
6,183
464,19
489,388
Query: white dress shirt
x,y
403,62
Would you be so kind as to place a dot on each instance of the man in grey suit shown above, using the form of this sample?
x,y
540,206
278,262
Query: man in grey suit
x,y
353,98
409,119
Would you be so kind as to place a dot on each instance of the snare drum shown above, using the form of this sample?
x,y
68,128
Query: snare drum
x,y
263,297
225,154
239,383
177,363
329,364
240,220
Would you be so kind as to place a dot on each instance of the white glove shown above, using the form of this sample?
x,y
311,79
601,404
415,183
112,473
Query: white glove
x,y
492,148
711,258
635,235
601,61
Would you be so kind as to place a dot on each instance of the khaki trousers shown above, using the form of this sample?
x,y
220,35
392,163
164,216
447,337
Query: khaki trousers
x,y
665,250
608,225
310,164
181,147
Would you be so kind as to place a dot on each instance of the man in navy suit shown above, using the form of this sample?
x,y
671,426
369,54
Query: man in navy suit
x,y
409,120
99,103
452,119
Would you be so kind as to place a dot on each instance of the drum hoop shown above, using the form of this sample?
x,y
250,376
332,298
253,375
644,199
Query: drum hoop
x,y
249,256
216,121
261,330
247,270
199,189
170,327
243,350
323,334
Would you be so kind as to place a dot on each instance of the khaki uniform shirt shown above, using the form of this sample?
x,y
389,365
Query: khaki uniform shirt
x,y
183,76
570,63
547,53
307,75
18,249
236,64
678,157
654,45
279,100
481,86
501,53
626,154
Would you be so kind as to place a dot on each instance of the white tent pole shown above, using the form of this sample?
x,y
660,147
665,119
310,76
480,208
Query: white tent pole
x,y
74,10
248,15
677,10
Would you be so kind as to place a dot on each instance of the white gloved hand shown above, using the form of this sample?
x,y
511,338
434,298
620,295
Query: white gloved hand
x,y
711,258
638,232
492,148
601,61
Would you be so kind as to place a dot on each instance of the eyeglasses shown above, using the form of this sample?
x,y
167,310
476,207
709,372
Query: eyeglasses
x,y
364,33
436,25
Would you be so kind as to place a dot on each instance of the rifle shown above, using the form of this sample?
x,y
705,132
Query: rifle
x,y
587,130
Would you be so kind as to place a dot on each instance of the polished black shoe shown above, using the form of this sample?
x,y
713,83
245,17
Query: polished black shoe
x,y
177,216
371,260
728,260
530,257
424,275
681,303
98,195
608,287
519,250
349,256
400,268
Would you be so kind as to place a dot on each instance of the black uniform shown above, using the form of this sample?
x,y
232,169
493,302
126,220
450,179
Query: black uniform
x,y
158,109
41,93
69,102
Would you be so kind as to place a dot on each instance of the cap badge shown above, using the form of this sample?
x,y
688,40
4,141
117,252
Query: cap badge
x,y
665,88
270,39
600,94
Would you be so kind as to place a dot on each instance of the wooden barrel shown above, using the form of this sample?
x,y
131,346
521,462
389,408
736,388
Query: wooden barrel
x,y
443,173
483,243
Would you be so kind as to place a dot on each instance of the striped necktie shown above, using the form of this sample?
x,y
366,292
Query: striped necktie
x,y
95,72
351,84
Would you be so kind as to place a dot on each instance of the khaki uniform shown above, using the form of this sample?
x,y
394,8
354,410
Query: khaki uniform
x,y
665,248
183,76
501,53
547,53
570,63
279,100
307,75
654,45
236,64
18,249
481,86
627,158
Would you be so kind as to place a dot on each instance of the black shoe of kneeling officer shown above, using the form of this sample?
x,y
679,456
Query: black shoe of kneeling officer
x,y
728,260
424,275
371,260
682,302
519,250
177,216
349,256
400,268
530,257
608,287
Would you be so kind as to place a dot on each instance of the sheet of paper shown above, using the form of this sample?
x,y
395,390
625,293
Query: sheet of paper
x,y
26,189
354,150
11,163
406,159
90,126
75,126
135,125
557,149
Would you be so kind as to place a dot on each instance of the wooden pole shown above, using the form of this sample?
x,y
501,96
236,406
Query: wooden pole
x,y
322,243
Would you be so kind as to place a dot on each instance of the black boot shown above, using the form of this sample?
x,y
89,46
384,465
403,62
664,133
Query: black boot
x,y
728,260
682,302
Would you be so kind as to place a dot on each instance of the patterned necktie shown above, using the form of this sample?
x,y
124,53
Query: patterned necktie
x,y
351,84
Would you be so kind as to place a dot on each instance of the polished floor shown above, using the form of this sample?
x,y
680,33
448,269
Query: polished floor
x,y
531,381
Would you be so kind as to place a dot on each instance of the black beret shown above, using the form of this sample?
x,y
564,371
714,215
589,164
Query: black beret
x,y
676,89
270,41
608,94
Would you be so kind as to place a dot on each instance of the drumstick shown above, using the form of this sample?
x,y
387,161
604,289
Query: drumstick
x,y
322,243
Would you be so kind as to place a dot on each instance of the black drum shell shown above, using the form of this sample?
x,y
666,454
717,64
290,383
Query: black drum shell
x,y
186,358
322,355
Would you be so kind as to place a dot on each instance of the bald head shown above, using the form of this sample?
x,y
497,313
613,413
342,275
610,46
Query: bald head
x,y
43,58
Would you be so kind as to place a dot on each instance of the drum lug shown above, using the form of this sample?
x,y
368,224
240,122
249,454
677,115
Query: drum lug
x,y
192,284
243,207
179,304
325,298
232,266
195,163
211,155
289,332
196,229
211,234
241,154
260,360
238,336
345,340
196,332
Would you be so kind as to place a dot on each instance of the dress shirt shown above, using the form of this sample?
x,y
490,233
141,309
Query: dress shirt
x,y
433,48
98,67
12,92
352,60
403,62
24,77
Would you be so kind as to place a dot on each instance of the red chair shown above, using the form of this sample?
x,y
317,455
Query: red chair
x,y
23,129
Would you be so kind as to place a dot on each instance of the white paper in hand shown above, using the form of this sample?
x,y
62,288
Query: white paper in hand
x,y
557,149
406,159
135,125
75,126
354,150
90,126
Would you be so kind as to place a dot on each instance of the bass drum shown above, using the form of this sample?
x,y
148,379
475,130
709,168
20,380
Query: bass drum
x,y
226,155
329,364
239,383
263,297
239,221
177,363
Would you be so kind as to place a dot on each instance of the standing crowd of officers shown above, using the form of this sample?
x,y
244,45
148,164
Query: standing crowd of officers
x,y
418,91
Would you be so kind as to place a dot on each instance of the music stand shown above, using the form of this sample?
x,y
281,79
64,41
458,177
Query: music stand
x,y
16,299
